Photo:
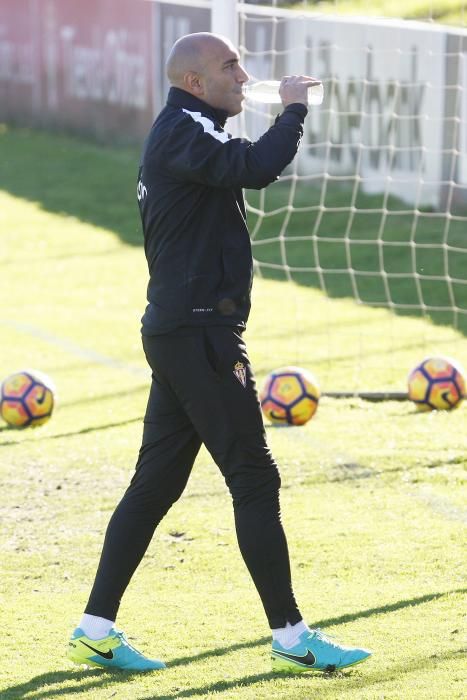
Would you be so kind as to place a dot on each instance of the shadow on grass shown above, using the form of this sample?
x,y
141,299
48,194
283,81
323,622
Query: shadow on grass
x,y
92,680
321,683
329,622
92,183
73,433
86,681
97,185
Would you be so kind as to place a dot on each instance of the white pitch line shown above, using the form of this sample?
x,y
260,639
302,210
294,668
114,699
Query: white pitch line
x,y
75,349
439,504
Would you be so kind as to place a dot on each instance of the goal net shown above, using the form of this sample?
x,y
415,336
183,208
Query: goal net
x,y
369,223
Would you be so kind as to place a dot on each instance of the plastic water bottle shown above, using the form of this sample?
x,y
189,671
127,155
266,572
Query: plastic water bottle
x,y
267,92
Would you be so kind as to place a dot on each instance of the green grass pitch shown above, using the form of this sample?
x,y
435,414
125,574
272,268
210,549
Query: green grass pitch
x,y
443,11
373,497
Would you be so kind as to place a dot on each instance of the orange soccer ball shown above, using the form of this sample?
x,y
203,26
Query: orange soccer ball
x,y
290,396
26,399
437,384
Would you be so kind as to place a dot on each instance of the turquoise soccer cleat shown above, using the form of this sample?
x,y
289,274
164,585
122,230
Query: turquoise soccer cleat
x,y
315,652
113,651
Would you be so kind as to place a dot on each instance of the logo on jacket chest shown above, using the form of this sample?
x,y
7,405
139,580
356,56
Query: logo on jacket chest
x,y
141,190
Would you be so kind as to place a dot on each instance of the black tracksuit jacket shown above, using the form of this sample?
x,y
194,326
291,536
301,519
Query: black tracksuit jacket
x,y
194,221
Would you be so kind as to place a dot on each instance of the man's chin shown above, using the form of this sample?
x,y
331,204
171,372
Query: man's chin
x,y
234,112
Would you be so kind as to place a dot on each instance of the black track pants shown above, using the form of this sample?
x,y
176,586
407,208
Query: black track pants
x,y
203,391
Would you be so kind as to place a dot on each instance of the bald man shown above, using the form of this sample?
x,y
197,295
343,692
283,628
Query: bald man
x,y
203,389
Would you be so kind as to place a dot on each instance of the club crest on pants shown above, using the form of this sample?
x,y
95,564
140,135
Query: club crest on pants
x,y
240,372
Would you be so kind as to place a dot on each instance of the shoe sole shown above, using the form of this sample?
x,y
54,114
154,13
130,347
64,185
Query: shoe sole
x,y
283,666
92,664
85,662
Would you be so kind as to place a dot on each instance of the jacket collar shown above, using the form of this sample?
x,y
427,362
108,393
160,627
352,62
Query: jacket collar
x,y
180,98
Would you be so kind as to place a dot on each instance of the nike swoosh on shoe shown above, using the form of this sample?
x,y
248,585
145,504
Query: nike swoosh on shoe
x,y
308,660
104,654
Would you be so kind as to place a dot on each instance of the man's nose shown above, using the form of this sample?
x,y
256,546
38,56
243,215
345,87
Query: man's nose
x,y
243,76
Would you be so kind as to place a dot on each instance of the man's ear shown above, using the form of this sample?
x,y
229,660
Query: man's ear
x,y
193,83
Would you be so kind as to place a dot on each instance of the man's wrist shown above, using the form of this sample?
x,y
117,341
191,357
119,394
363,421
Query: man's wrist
x,y
298,107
